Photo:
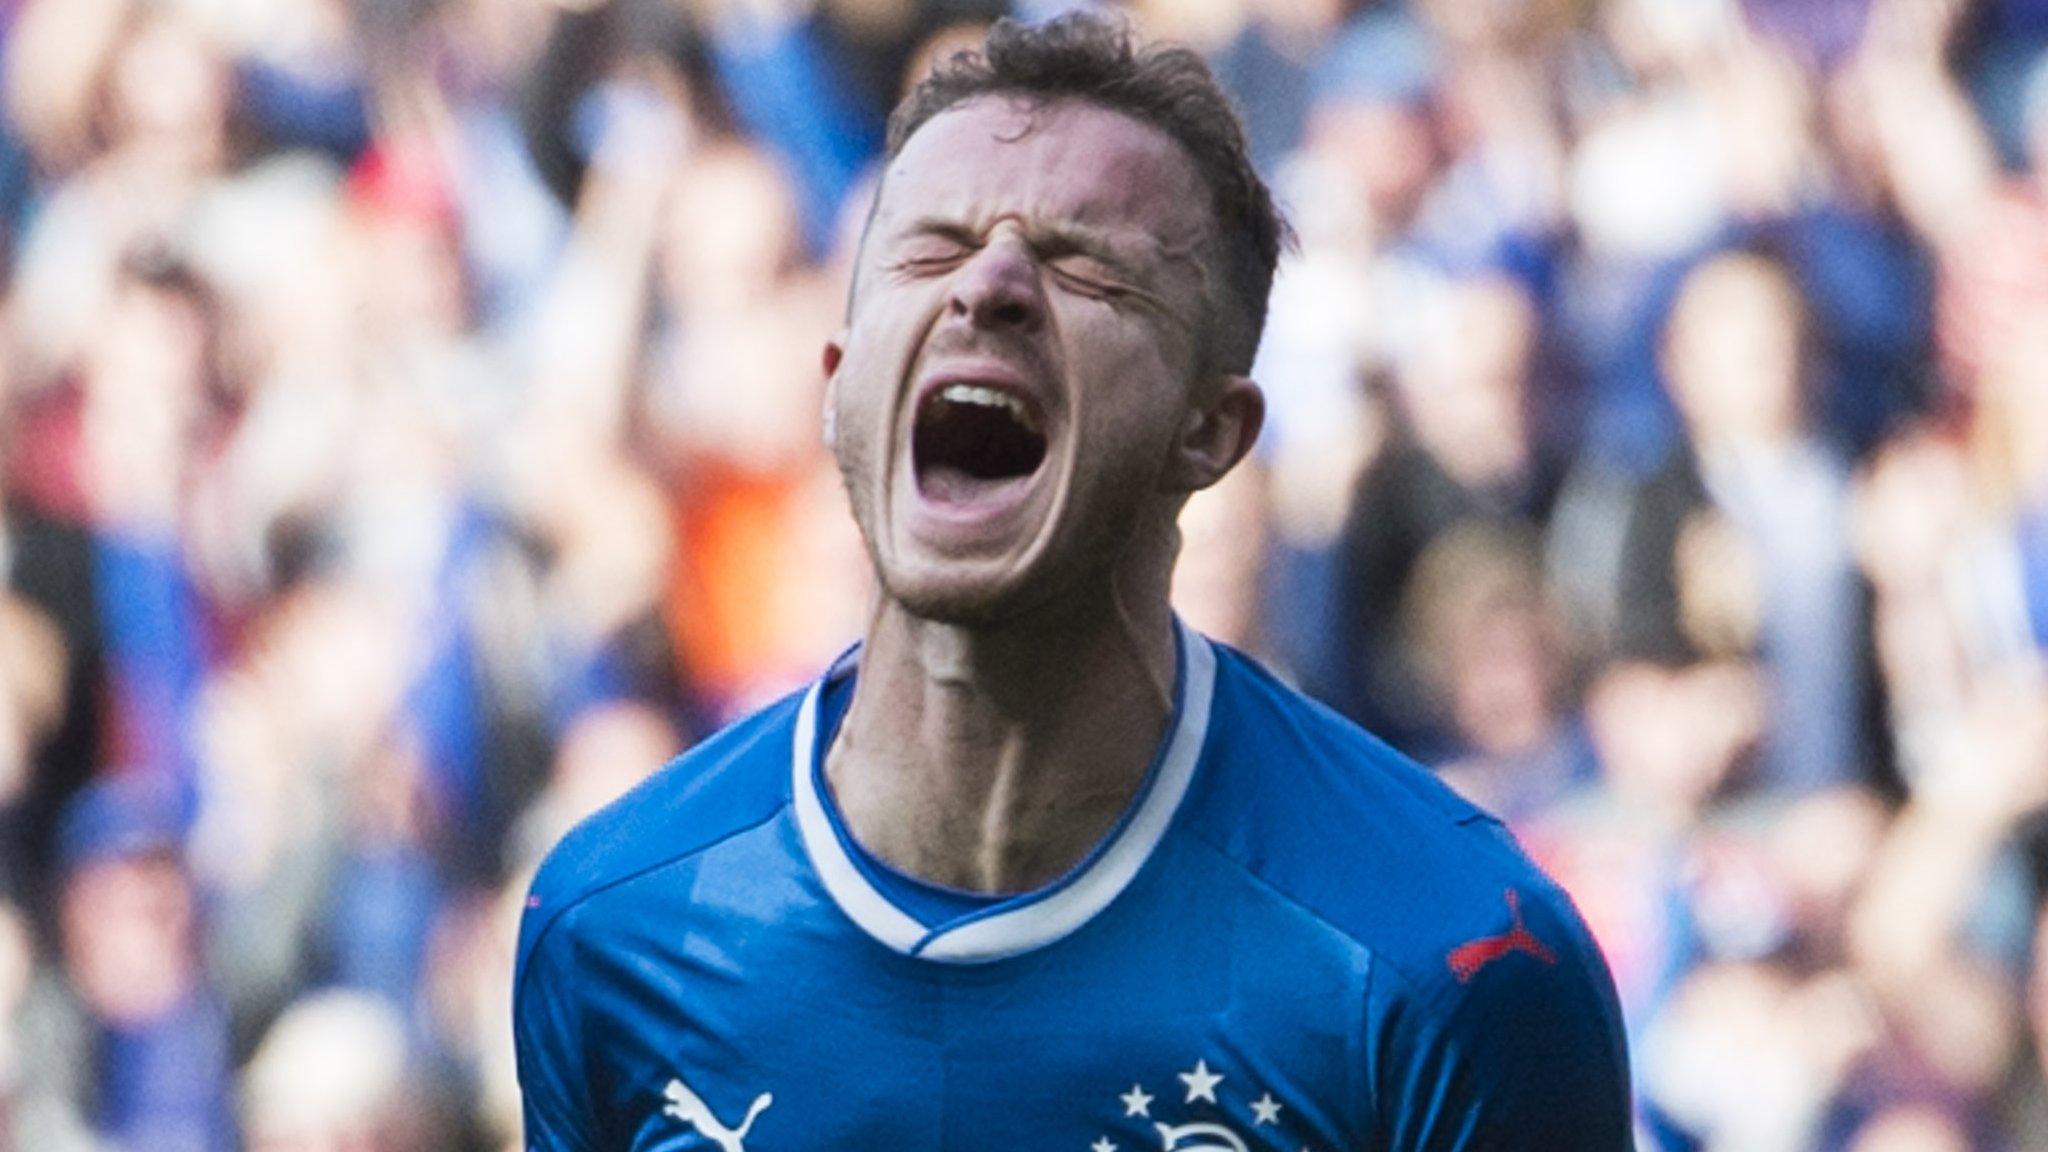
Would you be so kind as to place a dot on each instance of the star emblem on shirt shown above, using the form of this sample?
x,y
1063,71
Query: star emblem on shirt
x,y
1222,1124
1265,1110
1201,1083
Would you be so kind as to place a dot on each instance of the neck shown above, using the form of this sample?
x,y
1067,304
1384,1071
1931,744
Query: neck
x,y
993,758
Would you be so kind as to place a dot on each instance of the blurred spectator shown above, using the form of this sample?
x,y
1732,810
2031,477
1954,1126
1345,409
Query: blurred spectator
x,y
1491,652
332,1076
135,1028
1460,449
48,712
1739,547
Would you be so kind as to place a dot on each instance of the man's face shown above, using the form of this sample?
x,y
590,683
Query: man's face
x,y
1021,354
126,924
1733,351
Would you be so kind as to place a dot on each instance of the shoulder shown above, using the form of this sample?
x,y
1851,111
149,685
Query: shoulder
x,y
1351,830
733,781
1482,974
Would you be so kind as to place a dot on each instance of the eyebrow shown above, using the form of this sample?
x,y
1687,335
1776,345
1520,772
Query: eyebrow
x,y
941,226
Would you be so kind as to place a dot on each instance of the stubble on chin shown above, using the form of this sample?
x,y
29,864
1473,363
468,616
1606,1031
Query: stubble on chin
x,y
1076,574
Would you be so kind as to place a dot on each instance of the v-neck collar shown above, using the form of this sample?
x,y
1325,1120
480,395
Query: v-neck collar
x,y
1031,919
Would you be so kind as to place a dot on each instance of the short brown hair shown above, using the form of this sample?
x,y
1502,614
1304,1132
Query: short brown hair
x,y
1093,58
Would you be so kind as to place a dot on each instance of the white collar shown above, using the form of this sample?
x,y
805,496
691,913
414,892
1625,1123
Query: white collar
x,y
1033,919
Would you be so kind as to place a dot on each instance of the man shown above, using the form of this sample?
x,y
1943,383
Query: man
x,y
1035,866
130,1047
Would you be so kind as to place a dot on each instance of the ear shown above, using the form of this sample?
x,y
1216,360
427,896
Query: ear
x,y
1216,434
835,351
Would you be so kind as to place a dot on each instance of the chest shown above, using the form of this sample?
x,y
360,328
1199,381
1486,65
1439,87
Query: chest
x,y
1175,1021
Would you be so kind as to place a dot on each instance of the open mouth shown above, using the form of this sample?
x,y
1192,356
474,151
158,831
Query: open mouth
x,y
970,441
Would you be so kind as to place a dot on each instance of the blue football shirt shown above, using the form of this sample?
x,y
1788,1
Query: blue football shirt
x,y
1295,939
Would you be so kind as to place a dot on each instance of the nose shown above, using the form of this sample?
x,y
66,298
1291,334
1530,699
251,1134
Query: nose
x,y
998,289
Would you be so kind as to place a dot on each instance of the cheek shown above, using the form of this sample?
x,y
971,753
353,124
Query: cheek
x,y
1121,457
890,326
866,396
856,437
1128,402
873,369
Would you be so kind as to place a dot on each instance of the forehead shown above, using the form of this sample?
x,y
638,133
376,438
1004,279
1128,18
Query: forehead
x,y
1068,163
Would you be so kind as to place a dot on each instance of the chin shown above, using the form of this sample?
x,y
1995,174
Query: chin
x,y
960,600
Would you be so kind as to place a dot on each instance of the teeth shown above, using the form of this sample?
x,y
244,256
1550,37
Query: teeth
x,y
989,398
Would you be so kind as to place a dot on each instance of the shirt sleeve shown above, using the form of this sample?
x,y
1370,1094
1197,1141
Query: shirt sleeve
x,y
553,1082
1526,1054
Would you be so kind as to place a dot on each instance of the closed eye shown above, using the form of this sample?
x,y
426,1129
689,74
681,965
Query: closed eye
x,y
929,262
927,255
933,249
1089,277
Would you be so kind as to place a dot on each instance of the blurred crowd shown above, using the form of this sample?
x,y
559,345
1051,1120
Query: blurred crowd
x,y
409,438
